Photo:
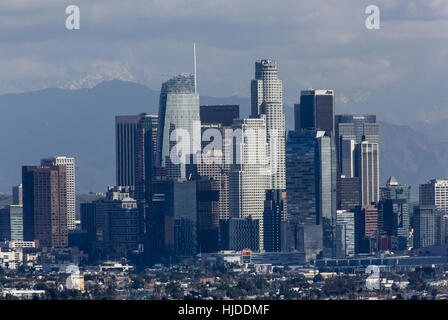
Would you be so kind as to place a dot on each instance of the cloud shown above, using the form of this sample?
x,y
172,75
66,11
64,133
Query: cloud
x,y
320,44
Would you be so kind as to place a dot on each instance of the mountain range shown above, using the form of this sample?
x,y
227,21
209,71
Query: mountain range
x,y
80,123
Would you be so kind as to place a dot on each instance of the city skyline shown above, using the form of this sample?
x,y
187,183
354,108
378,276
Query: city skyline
x,y
223,150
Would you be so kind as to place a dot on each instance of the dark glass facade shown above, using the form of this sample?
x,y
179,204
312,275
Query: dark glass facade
x,y
223,114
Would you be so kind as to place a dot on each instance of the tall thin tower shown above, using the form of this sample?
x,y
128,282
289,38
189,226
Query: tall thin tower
x,y
267,102
179,129
69,163
194,71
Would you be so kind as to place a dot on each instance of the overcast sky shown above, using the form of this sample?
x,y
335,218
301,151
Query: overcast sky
x,y
398,72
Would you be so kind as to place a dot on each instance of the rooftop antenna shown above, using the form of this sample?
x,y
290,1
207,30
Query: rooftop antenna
x,y
194,66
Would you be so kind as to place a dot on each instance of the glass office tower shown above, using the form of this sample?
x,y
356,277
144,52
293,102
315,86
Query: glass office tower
x,y
311,183
179,132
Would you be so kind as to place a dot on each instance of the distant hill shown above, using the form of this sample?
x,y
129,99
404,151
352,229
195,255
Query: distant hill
x,y
77,123
80,123
411,156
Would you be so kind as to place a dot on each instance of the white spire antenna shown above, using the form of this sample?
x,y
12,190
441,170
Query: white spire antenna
x,y
194,66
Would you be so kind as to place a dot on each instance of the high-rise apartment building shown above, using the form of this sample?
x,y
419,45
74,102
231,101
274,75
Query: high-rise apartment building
x,y
45,205
69,164
179,132
316,110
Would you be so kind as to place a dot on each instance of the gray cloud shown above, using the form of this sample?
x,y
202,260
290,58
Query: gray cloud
x,y
397,72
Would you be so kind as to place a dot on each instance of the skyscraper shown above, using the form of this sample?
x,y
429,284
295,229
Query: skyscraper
x,y
395,191
69,164
216,124
274,226
125,137
267,102
301,182
367,168
428,224
311,183
249,175
208,214
316,110
172,224
435,193
145,153
346,229
240,233
366,227
145,162
394,221
117,222
219,113
11,223
179,132
17,195
352,129
45,205
348,193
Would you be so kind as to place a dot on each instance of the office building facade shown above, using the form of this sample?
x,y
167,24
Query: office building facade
x,y
366,227
219,113
240,233
250,173
273,221
267,102
17,195
394,220
179,131
429,226
346,232
311,183
11,223
125,137
316,110
395,191
368,170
